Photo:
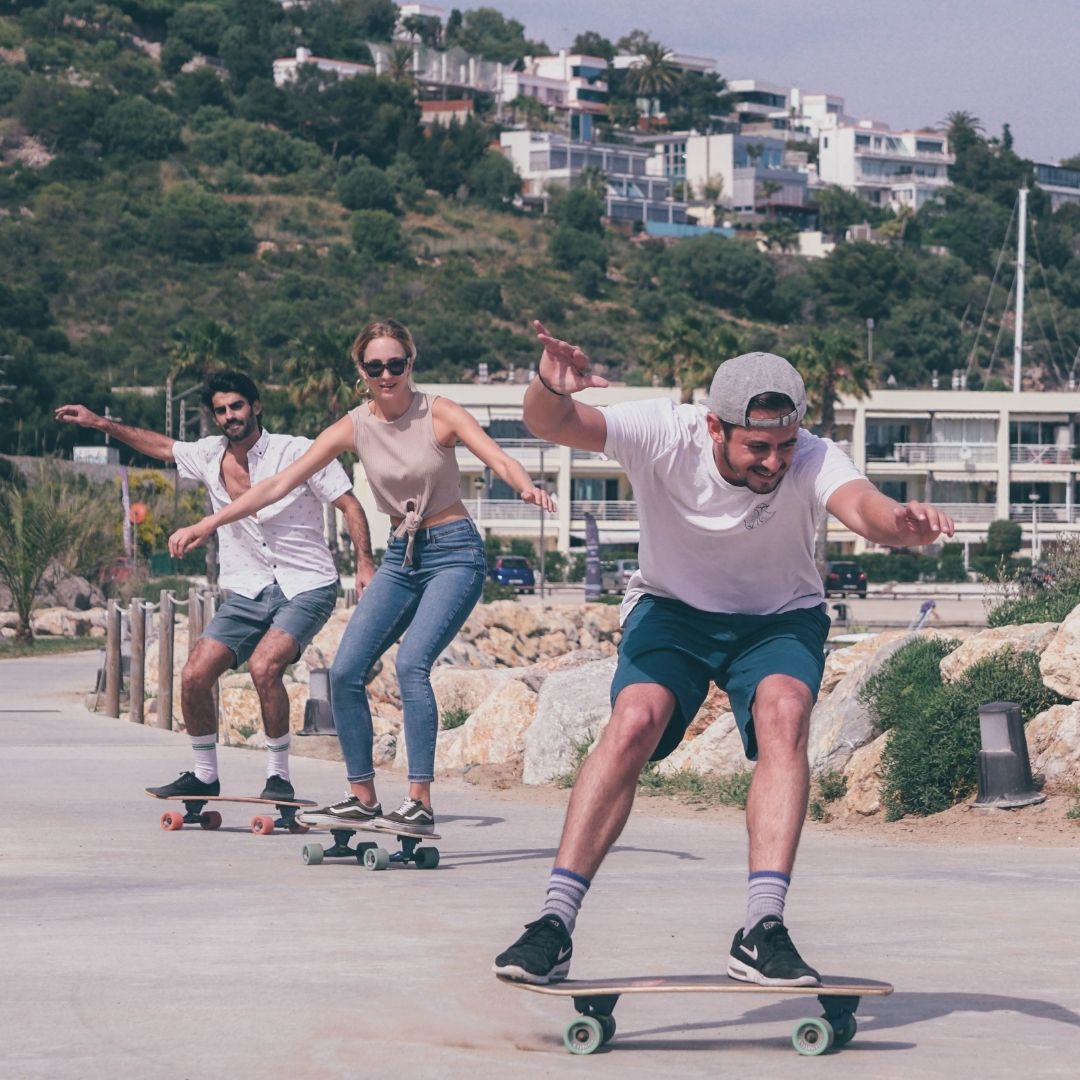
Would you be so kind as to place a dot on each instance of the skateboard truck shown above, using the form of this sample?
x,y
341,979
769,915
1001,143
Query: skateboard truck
x,y
370,855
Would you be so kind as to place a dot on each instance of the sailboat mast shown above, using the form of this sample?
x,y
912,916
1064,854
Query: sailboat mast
x,y
1021,255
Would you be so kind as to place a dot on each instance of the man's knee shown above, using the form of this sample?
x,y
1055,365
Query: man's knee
x,y
638,721
782,716
265,670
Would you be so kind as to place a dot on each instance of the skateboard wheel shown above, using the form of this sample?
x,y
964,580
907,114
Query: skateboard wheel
x,y
171,821
312,854
376,858
426,858
296,828
262,826
844,1030
812,1037
607,1027
585,1035
210,819
362,850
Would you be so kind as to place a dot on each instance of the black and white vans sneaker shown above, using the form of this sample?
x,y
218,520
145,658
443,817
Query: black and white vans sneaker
x,y
767,956
411,816
350,810
187,784
541,955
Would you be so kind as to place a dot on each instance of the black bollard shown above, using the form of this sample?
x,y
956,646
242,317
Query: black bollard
x,y
1005,778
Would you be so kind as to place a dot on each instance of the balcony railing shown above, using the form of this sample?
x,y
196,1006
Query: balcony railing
x,y
527,451
969,513
503,510
1041,454
944,452
1045,513
604,510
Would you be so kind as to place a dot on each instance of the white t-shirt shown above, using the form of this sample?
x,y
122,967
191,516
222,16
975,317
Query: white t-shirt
x,y
704,541
284,542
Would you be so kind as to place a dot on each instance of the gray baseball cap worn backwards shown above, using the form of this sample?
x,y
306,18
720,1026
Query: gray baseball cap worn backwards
x,y
742,378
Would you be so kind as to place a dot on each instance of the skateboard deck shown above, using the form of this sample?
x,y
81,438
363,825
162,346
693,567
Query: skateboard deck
x,y
595,999
369,854
261,824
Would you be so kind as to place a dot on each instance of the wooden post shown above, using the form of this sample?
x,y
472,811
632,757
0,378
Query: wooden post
x,y
167,628
136,690
194,617
112,660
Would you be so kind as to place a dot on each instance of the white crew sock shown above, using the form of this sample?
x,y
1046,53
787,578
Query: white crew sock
x,y
277,757
204,747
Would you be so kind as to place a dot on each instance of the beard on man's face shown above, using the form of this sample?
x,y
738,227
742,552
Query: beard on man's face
x,y
757,482
237,429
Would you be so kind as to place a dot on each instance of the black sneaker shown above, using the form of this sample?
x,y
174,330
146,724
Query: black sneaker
x,y
187,783
350,810
278,788
767,956
412,816
541,955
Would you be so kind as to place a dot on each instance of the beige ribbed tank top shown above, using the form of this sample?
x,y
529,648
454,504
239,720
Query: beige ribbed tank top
x,y
404,462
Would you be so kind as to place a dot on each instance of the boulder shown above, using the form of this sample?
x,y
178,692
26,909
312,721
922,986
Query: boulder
x,y
59,622
495,733
468,688
1053,739
863,772
573,708
1060,662
1029,637
717,751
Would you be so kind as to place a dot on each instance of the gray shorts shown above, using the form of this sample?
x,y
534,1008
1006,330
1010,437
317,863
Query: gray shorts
x,y
240,624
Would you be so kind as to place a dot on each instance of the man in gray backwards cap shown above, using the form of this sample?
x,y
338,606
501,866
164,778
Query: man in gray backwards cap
x,y
729,496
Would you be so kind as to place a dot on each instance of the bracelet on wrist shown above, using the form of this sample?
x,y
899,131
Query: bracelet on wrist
x,y
548,387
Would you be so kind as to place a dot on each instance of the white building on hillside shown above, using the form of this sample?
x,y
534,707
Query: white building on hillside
x,y
786,112
1060,183
884,167
286,68
570,83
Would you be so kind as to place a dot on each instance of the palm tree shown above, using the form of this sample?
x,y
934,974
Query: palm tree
x,y
653,74
688,350
963,128
399,63
831,364
769,188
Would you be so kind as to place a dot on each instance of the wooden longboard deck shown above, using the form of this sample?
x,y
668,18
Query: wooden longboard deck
x,y
831,986
232,798
358,826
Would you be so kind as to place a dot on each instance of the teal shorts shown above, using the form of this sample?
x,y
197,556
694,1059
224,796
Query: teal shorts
x,y
671,644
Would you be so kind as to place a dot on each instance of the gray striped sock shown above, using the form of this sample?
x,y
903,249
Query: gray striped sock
x,y
765,895
565,892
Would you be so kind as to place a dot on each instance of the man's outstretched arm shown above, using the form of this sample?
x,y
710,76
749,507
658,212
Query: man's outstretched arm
x,y
550,411
145,442
881,520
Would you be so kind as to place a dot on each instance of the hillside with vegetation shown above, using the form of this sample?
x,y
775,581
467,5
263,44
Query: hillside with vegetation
x,y
165,208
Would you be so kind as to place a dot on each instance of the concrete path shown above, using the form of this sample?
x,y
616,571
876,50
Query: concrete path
x,y
131,952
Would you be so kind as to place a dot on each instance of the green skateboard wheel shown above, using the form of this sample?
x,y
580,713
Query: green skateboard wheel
x,y
812,1037
585,1035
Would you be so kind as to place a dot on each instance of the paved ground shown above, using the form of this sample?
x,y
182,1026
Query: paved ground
x,y
130,952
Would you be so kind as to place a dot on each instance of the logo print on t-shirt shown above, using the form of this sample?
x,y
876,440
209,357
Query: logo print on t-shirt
x,y
759,515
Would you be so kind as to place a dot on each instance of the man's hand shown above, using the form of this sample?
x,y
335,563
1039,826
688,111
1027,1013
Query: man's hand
x,y
78,414
564,367
365,571
538,497
922,522
183,540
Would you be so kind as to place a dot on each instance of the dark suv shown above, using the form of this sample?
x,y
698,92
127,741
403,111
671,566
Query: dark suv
x,y
515,571
845,577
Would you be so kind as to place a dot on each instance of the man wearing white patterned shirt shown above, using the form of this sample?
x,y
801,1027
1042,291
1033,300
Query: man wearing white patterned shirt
x,y
276,567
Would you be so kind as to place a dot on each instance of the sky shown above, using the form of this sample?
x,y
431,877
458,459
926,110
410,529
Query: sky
x,y
907,63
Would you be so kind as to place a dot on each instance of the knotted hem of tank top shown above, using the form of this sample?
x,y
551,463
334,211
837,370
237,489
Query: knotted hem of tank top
x,y
409,524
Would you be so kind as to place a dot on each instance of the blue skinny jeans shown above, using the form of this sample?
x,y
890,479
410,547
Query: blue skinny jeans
x,y
428,602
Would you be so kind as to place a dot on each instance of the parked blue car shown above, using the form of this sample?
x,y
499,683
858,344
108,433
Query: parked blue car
x,y
515,571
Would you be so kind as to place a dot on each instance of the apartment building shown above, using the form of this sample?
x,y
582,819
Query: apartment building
x,y
786,112
1060,183
752,173
884,167
981,456
570,83
546,159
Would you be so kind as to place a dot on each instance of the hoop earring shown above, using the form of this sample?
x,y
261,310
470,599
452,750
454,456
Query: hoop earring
x,y
361,387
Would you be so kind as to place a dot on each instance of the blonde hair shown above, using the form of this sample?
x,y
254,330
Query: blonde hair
x,y
390,328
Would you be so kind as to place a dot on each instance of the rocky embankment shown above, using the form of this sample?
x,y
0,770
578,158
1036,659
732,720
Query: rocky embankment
x,y
528,689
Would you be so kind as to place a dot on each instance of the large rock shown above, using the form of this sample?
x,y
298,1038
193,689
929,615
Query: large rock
x,y
1029,637
863,772
62,589
59,622
840,723
465,688
495,733
1060,662
717,751
572,710
1053,739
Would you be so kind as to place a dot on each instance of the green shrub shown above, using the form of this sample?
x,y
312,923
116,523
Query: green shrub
x,y
1047,605
832,785
901,690
494,591
366,188
731,789
931,761
454,717
377,233
193,224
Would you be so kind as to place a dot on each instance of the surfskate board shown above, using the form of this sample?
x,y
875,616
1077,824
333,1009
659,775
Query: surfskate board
x,y
369,854
261,824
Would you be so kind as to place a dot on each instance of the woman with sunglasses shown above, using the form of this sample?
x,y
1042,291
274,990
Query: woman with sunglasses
x,y
431,576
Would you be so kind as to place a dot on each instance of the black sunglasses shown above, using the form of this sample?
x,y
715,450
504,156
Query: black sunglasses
x,y
374,368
